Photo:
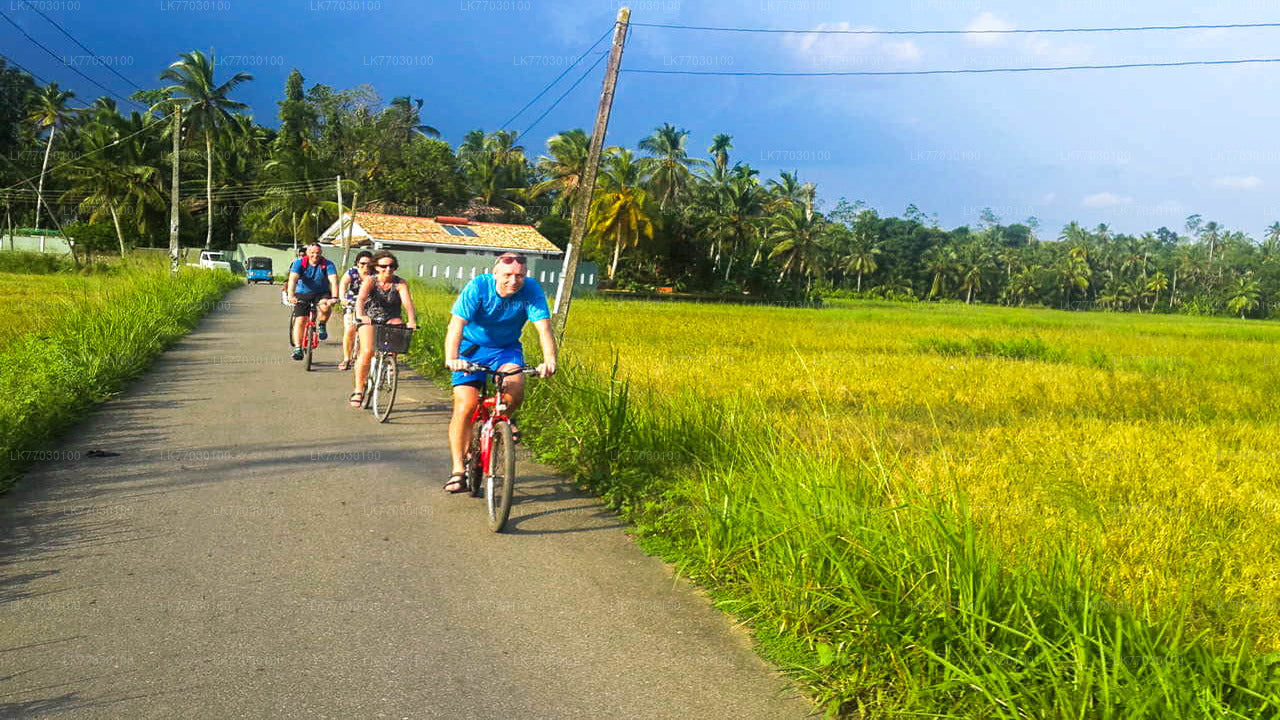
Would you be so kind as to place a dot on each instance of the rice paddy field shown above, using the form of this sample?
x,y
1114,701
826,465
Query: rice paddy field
x,y
933,510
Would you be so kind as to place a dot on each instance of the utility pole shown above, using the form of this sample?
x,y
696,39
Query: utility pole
x,y
173,192
337,237
582,205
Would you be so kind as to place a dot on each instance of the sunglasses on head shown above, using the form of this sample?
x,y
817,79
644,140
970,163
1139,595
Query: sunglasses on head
x,y
508,259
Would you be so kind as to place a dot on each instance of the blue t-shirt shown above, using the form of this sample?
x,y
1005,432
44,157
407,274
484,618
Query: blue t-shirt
x,y
494,321
313,278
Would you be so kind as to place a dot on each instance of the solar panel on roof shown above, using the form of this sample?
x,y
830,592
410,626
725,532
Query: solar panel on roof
x,y
452,230
467,231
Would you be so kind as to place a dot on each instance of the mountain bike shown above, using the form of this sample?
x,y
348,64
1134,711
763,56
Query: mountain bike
x,y
490,463
384,374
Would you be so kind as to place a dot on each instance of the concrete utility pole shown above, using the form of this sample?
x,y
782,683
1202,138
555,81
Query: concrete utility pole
x,y
337,237
587,187
173,192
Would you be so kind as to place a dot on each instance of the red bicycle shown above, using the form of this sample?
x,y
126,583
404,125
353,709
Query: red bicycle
x,y
490,463
310,335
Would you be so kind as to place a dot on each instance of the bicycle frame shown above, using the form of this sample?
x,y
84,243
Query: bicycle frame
x,y
490,411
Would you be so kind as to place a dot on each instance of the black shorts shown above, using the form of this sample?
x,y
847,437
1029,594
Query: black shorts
x,y
306,301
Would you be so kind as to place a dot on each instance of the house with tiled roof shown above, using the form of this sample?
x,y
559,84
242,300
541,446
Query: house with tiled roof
x,y
449,249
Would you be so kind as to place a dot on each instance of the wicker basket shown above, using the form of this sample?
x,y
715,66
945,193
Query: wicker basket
x,y
391,338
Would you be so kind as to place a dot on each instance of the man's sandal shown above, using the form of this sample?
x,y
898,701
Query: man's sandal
x,y
356,399
457,483
345,364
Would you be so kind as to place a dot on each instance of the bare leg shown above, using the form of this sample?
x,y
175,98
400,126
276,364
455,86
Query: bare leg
x,y
365,358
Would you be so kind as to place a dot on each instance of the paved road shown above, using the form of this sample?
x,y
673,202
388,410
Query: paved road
x,y
241,555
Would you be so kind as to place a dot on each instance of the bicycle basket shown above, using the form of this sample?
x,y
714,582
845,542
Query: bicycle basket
x,y
391,338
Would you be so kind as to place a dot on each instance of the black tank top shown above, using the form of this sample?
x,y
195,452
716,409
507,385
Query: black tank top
x,y
382,305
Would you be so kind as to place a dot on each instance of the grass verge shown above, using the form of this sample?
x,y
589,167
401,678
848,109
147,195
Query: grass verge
x,y
96,343
884,596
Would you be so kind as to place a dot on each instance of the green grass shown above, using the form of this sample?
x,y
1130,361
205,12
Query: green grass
x,y
70,342
942,511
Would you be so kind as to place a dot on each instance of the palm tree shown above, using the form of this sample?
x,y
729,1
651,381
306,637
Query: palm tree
x,y
974,259
799,233
406,114
619,210
496,167
864,248
206,105
668,168
1156,284
939,262
564,165
1244,295
50,111
106,182
721,144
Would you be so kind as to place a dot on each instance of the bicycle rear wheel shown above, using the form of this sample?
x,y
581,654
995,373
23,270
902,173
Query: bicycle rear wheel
x,y
501,482
474,466
384,388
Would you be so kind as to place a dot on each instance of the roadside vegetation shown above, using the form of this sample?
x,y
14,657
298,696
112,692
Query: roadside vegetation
x,y
69,341
946,510
670,210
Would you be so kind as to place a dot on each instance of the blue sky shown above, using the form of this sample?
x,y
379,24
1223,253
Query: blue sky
x,y
1136,148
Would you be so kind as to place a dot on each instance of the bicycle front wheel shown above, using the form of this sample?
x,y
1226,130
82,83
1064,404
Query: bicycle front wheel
x,y
501,481
369,382
309,342
384,388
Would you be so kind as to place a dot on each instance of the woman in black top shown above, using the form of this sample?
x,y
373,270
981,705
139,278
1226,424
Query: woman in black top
x,y
382,301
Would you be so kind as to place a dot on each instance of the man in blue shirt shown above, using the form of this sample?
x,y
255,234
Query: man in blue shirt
x,y
488,317
313,282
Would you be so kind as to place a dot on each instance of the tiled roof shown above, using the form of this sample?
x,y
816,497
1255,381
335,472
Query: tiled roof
x,y
402,228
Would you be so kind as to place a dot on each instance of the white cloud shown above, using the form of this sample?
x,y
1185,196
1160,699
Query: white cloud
x,y
853,52
1104,200
1048,198
1251,182
988,21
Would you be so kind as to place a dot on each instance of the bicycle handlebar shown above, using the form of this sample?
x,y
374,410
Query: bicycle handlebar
x,y
476,367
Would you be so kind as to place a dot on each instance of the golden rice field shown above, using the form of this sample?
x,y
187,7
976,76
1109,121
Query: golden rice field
x,y
1147,443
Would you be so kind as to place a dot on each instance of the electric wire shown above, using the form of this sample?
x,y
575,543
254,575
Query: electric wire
x,y
73,69
562,96
18,65
556,80
960,71
998,31
92,54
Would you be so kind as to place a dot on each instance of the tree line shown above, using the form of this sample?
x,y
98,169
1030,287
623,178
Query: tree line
x,y
663,215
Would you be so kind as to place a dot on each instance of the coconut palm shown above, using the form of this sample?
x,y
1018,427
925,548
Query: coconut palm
x,y
564,165
1156,284
864,246
1244,295
668,168
619,211
496,167
721,144
105,182
799,234
50,112
206,106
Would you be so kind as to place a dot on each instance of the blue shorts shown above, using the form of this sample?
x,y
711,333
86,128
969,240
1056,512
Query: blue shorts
x,y
492,357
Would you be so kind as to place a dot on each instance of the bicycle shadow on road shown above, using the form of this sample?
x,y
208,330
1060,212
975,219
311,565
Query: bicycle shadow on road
x,y
539,508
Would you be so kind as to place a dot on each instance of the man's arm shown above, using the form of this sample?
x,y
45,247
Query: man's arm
x,y
453,341
293,282
333,283
548,342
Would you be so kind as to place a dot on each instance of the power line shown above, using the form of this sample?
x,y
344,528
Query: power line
x,y
158,123
1011,31
962,71
553,82
564,95
73,69
18,65
81,45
